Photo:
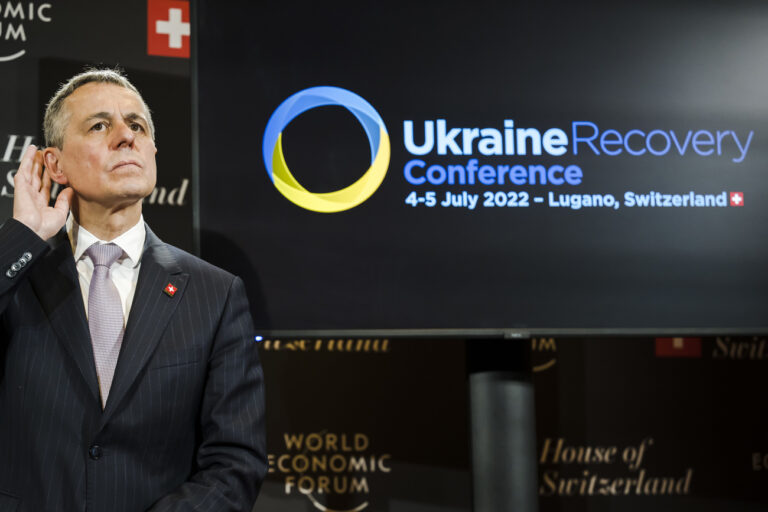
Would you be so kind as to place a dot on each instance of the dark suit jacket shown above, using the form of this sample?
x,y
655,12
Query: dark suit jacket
x,y
183,427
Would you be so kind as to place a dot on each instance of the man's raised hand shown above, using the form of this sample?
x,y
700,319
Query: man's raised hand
x,y
32,195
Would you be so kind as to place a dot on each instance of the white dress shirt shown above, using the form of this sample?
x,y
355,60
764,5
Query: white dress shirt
x,y
124,272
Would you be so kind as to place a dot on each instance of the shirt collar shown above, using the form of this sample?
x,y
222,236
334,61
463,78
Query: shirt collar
x,y
131,242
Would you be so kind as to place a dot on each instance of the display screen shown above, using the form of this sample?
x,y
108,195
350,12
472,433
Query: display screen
x,y
523,167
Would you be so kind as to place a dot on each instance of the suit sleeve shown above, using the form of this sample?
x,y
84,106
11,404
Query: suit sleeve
x,y
231,458
20,247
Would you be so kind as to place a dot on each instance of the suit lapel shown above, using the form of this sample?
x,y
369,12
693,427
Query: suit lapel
x,y
56,284
150,312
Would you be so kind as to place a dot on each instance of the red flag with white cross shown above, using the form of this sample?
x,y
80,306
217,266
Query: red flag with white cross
x,y
168,28
678,347
737,198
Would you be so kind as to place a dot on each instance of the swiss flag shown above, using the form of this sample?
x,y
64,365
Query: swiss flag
x,y
168,28
678,347
737,198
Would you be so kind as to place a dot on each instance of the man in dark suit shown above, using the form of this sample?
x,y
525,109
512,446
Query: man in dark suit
x,y
129,375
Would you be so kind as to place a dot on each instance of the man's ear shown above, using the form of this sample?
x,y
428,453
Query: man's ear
x,y
51,159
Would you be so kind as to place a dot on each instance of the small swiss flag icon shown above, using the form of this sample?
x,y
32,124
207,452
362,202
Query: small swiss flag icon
x,y
168,28
678,347
737,198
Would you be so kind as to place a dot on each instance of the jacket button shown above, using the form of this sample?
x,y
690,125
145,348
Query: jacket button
x,y
27,256
16,267
95,452
10,273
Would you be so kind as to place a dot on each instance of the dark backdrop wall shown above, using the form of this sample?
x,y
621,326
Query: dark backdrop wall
x,y
651,424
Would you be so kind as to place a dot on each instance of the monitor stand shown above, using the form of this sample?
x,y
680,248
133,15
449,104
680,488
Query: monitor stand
x,y
502,425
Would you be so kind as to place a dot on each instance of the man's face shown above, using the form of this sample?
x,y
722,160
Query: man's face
x,y
108,155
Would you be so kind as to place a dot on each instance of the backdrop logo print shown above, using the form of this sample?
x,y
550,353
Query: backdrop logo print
x,y
544,352
339,200
10,155
168,195
347,345
14,19
574,469
741,348
330,469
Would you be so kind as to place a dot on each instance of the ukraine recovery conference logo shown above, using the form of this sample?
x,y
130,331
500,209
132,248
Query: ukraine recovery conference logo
x,y
339,200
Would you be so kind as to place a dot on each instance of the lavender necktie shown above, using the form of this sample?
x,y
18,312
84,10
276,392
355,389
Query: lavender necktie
x,y
105,314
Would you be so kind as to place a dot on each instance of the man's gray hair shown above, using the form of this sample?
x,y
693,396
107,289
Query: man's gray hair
x,y
55,120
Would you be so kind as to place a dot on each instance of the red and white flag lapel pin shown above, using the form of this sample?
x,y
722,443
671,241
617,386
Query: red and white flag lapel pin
x,y
170,290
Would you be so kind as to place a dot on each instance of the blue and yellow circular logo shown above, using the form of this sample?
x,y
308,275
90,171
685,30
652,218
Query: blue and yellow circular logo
x,y
339,200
